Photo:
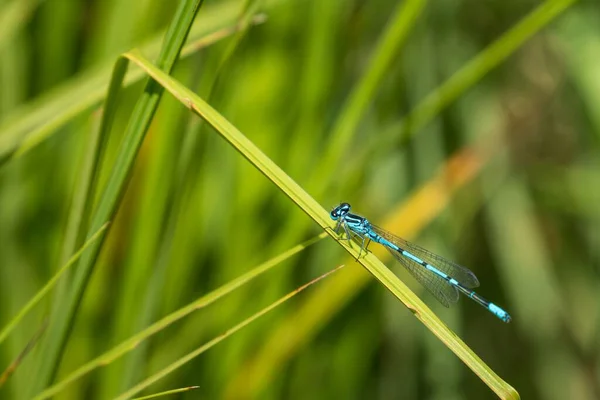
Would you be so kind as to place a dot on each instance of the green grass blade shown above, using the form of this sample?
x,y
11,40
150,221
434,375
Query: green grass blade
x,y
362,96
131,343
168,392
321,217
30,345
189,357
83,193
134,135
48,286
483,63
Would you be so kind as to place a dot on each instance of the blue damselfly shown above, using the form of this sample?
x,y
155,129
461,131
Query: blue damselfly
x,y
443,278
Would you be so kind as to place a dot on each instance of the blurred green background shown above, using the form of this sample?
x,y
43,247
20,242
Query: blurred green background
x,y
527,222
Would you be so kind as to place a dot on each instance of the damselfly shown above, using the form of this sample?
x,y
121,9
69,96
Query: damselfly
x,y
443,278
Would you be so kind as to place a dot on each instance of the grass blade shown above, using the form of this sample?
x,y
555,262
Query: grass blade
x,y
168,392
30,345
48,286
483,63
389,45
182,361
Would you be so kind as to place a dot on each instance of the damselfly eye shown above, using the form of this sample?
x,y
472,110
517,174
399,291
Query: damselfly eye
x,y
339,211
334,214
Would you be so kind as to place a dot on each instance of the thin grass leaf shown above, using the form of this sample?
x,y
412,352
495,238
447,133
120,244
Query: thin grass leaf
x,y
115,187
483,63
131,343
168,392
321,217
30,345
83,194
189,357
48,286
388,47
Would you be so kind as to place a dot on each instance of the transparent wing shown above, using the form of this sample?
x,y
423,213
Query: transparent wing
x,y
438,287
458,272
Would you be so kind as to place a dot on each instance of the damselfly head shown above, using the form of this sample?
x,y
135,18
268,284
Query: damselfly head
x,y
339,211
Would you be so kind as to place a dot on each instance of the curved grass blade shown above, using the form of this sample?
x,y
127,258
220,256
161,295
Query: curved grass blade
x,y
30,345
389,45
189,357
48,286
131,343
299,196
168,392
481,64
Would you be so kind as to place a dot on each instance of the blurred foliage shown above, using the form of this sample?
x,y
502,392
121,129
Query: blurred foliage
x,y
334,93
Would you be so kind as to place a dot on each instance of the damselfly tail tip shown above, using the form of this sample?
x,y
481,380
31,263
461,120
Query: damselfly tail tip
x,y
500,313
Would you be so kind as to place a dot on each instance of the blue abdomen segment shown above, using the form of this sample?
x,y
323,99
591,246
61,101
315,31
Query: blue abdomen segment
x,y
498,312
